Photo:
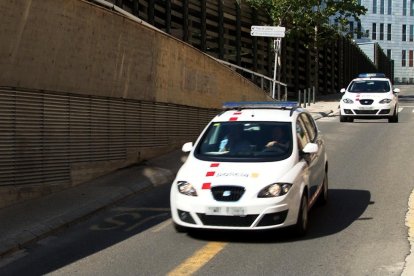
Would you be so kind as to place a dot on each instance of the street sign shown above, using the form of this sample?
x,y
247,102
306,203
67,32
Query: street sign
x,y
268,31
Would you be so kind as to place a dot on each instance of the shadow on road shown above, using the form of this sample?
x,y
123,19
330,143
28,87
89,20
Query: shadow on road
x,y
135,216
344,207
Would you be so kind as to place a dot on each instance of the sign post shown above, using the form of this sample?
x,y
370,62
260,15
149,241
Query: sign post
x,y
276,32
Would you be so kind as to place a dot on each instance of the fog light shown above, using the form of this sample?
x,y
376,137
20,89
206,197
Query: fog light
x,y
185,216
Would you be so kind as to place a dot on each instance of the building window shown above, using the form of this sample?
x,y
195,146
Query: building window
x,y
404,32
403,58
411,7
404,7
382,4
359,29
389,53
389,7
410,58
374,6
411,32
381,31
374,31
388,31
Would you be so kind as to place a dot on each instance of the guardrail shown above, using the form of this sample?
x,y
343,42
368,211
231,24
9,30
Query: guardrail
x,y
262,81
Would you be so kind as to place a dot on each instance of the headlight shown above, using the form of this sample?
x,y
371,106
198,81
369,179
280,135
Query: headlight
x,y
186,188
348,101
385,101
274,190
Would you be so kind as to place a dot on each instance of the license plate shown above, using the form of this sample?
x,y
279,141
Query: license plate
x,y
366,108
225,211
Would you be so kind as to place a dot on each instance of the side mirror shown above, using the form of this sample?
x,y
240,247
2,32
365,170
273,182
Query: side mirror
x,y
342,90
187,147
310,148
396,90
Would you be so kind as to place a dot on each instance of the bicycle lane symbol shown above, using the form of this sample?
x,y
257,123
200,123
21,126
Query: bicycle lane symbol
x,y
129,219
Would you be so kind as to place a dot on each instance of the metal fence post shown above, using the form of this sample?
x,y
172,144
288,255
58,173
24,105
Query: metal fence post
x,y
285,93
271,88
314,95
299,98
309,96
304,97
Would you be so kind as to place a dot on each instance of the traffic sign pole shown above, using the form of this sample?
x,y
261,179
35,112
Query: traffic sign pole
x,y
276,32
276,44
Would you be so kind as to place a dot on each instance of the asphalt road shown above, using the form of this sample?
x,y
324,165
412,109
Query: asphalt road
x,y
361,231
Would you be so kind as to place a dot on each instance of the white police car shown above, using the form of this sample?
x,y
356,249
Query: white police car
x,y
370,96
255,166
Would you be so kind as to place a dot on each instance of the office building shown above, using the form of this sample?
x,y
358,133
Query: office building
x,y
390,23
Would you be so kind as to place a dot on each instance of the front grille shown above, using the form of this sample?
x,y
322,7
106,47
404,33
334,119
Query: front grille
x,y
227,193
233,221
366,112
366,102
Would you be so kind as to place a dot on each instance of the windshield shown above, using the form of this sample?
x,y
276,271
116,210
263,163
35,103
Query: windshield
x,y
246,141
369,86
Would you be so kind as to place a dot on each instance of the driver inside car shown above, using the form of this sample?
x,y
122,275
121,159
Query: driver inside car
x,y
279,139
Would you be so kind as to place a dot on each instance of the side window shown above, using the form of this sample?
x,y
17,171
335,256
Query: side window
x,y
301,134
310,126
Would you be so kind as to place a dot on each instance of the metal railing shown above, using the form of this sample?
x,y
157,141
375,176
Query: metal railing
x,y
262,79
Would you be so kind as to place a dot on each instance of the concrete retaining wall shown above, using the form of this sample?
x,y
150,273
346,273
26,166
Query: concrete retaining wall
x,y
78,48
75,46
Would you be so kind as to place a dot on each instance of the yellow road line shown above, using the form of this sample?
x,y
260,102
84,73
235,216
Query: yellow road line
x,y
198,259
409,222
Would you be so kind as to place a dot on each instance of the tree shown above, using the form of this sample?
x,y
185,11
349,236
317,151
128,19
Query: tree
x,y
310,21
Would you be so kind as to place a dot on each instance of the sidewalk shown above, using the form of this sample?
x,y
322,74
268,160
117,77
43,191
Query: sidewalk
x,y
35,219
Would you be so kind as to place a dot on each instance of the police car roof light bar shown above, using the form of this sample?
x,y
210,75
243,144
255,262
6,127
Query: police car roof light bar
x,y
371,75
263,105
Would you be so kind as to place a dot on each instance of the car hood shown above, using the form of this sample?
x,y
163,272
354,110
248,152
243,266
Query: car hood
x,y
362,96
205,174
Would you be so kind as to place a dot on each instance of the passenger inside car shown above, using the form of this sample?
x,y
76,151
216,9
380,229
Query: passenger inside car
x,y
235,142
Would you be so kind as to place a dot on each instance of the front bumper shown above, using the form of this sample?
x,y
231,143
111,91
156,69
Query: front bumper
x,y
257,214
363,111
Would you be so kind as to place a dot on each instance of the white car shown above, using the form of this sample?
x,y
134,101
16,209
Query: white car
x,y
370,96
255,166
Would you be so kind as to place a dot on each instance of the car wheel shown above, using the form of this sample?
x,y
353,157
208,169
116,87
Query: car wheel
x,y
179,229
350,119
301,225
394,118
342,119
323,196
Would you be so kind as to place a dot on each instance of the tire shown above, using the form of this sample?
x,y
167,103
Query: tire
x,y
394,118
301,226
323,196
179,229
350,119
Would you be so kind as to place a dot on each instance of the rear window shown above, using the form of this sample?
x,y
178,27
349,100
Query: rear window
x,y
246,142
369,86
